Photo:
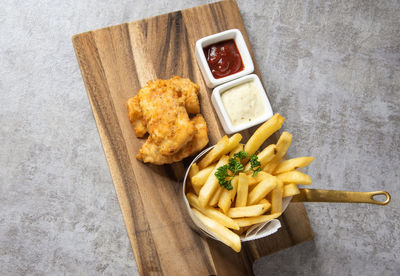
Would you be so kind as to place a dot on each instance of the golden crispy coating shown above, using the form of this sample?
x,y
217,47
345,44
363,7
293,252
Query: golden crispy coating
x,y
164,112
135,116
161,108
189,91
150,152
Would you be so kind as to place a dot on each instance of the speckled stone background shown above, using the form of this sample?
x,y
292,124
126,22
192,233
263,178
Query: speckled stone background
x,y
332,68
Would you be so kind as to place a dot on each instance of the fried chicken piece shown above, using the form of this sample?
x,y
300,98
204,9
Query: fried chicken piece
x,y
190,91
163,110
150,152
185,88
135,116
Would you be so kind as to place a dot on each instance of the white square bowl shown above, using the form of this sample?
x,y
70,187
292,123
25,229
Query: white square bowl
x,y
237,36
223,116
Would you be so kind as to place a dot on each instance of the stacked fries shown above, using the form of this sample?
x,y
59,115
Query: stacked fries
x,y
252,197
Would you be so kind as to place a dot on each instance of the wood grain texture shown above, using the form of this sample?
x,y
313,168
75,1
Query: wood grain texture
x,y
115,62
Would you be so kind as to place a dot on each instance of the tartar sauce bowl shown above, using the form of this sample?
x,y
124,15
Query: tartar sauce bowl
x,y
248,104
204,42
259,231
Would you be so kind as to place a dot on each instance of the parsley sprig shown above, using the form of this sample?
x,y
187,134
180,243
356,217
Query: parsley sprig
x,y
226,173
241,155
255,164
224,179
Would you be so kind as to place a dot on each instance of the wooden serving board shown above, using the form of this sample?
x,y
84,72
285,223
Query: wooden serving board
x,y
115,62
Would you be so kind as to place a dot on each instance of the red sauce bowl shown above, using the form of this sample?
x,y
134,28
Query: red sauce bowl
x,y
223,57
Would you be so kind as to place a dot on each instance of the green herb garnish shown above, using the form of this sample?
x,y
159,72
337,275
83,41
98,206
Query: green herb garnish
x,y
224,179
226,173
255,164
241,155
235,166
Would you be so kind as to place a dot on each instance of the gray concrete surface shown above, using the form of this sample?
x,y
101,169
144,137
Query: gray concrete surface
x,y
331,68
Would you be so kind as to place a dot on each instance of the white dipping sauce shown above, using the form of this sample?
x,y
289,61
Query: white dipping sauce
x,y
243,103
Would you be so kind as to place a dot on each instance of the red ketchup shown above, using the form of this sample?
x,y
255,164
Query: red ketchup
x,y
223,58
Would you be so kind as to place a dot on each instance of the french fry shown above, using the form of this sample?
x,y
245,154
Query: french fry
x,y
227,196
264,156
236,150
282,146
295,177
215,153
253,180
263,201
276,197
194,169
243,222
251,188
292,164
215,198
221,232
268,196
267,154
201,177
269,167
189,187
196,189
241,230
263,132
262,189
211,185
290,190
234,141
242,190
212,212
249,211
